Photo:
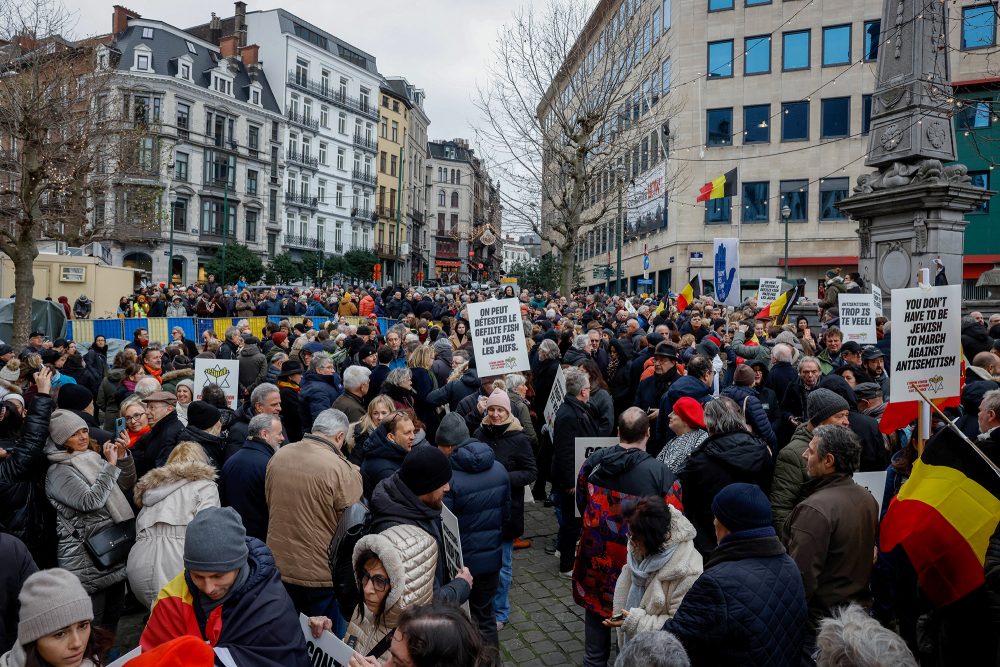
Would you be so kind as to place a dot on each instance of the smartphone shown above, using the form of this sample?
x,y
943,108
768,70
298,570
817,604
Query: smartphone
x,y
620,616
119,426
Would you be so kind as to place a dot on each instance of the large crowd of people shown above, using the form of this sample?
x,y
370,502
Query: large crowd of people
x,y
724,527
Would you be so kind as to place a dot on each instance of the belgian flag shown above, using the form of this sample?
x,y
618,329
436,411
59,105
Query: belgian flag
x,y
723,186
690,292
780,307
944,516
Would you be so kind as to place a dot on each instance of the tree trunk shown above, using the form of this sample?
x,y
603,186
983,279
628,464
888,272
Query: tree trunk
x,y
567,259
24,287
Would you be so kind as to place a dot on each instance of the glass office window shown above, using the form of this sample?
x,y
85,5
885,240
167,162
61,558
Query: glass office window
x,y
835,117
795,195
979,26
795,121
720,127
831,191
974,116
866,113
757,124
872,36
751,3
795,50
981,179
755,201
758,55
720,59
718,211
719,5
837,45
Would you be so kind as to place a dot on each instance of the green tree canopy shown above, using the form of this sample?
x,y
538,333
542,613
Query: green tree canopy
x,y
283,270
359,263
240,261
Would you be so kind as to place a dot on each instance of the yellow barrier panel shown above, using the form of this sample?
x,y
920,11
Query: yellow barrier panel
x,y
83,330
220,326
257,325
158,329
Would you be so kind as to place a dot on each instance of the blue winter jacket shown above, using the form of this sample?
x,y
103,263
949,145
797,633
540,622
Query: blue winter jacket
x,y
747,608
316,394
754,412
241,486
480,498
382,458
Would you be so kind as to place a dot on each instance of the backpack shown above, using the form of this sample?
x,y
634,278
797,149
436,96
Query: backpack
x,y
355,523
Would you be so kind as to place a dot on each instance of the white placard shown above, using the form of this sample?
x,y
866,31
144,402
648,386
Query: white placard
x,y
498,337
328,650
120,662
857,318
452,538
877,300
223,372
556,399
726,271
874,482
768,291
630,307
584,448
926,342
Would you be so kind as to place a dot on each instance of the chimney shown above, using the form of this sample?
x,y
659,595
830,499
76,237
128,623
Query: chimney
x,y
240,19
227,46
215,29
119,20
250,54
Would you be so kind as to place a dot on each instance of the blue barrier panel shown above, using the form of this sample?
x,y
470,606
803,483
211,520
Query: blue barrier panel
x,y
203,326
275,318
69,330
130,324
186,323
109,329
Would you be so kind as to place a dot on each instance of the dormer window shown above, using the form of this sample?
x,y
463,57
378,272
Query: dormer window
x,y
185,72
255,97
191,48
143,59
185,67
147,33
222,85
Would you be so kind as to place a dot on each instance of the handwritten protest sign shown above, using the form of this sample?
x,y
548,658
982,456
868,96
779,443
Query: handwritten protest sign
x,y
877,300
768,290
328,650
498,337
223,372
926,342
857,318
587,446
556,399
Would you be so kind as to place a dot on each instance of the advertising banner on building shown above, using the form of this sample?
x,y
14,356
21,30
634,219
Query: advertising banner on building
x,y
647,201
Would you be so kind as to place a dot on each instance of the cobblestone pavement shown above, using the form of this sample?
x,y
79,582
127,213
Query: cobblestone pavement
x,y
546,626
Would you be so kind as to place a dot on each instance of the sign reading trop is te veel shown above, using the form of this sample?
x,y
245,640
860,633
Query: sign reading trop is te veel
x,y
498,337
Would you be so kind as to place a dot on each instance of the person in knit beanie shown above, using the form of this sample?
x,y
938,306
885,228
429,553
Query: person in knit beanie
x,y
54,623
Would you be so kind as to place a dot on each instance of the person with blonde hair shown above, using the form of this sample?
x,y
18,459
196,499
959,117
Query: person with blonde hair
x,y
420,362
379,408
168,498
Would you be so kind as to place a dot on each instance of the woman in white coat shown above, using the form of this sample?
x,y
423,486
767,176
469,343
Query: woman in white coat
x,y
168,498
662,565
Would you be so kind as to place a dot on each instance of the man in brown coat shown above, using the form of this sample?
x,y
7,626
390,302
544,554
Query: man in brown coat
x,y
831,533
308,486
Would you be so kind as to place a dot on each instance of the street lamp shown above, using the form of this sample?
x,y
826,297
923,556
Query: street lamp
x,y
172,198
786,213
619,228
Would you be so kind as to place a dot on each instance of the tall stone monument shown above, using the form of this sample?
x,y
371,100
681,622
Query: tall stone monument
x,y
910,211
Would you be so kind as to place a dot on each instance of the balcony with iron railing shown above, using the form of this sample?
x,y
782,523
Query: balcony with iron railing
x,y
386,212
365,143
302,159
303,201
417,217
363,177
302,120
335,97
294,241
385,250
338,248
363,214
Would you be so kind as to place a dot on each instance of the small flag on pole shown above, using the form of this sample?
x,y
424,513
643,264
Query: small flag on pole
x,y
723,186
690,292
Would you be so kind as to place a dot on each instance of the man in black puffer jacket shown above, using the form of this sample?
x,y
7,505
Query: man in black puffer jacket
x,y
745,396
385,449
18,566
874,453
975,337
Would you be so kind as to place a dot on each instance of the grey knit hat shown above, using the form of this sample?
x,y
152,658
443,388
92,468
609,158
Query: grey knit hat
x,y
51,600
453,430
823,404
63,424
215,541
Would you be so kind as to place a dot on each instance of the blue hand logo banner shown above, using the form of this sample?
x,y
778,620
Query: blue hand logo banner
x,y
727,271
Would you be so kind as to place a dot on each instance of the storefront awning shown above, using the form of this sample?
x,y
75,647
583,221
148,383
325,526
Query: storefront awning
x,y
448,263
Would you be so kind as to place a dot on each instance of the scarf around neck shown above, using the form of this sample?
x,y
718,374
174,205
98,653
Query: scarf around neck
x,y
90,464
642,571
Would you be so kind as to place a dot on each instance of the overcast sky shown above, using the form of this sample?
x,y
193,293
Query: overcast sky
x,y
442,46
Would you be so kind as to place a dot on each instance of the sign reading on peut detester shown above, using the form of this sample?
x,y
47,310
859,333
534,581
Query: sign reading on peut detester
x,y
498,337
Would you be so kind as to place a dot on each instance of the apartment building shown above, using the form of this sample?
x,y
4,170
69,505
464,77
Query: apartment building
x,y
781,91
327,91
210,123
513,253
450,208
391,229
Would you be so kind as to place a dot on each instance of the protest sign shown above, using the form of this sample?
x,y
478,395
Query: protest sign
x,y
120,662
452,543
857,318
630,307
727,271
926,342
873,481
498,337
556,399
587,446
223,372
768,291
328,650
877,300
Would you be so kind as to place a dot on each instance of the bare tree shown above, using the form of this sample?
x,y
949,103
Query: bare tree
x,y
563,111
61,147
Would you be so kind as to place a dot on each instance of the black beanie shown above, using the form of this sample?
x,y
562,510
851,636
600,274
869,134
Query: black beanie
x,y
74,397
424,469
742,506
203,415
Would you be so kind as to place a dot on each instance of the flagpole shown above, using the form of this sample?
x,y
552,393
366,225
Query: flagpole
x,y
924,415
929,404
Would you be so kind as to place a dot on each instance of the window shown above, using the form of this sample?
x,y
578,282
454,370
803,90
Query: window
x,y
646,39
251,181
179,215
190,47
837,45
147,33
656,25
324,81
795,121
753,3
181,166
719,211
720,59
363,99
757,124
795,195
385,128
981,179
835,117
186,71
758,55
382,162
322,153
340,158
342,123
795,50
339,196
665,76
441,198
253,140
719,5
974,116
755,201
324,116
255,96
342,90
395,132
872,31
251,230
720,127
454,200
321,191
866,113
392,165
272,206
142,61
831,191
979,26
666,15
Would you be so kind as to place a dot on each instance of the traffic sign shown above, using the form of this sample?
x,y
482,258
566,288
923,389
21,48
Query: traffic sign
x,y
645,262
644,282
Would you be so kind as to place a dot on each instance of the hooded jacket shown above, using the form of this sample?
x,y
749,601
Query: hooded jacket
x,y
975,339
393,504
753,412
105,401
366,306
722,459
480,497
317,393
381,458
82,307
609,477
574,419
167,498
258,623
253,367
441,368
347,306
214,445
